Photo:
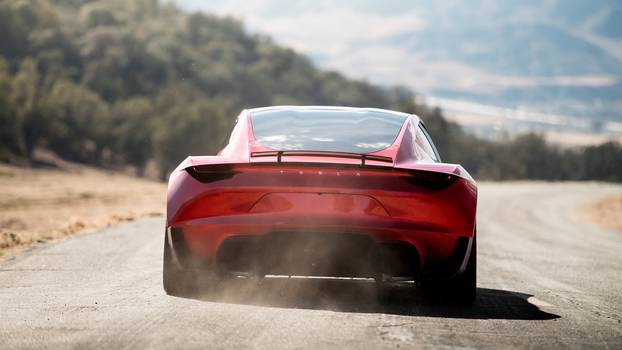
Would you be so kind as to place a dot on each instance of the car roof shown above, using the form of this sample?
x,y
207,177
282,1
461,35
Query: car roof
x,y
251,111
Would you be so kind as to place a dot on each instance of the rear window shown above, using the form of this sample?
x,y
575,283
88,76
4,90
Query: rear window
x,y
326,129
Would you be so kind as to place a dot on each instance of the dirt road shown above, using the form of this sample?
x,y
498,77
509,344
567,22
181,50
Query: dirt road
x,y
545,280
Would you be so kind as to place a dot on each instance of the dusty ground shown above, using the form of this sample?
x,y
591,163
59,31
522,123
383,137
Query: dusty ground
x,y
546,280
42,204
606,212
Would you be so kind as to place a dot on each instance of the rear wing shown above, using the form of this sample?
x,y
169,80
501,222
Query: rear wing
x,y
362,156
219,162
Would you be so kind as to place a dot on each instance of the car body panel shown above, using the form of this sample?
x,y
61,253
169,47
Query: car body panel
x,y
410,199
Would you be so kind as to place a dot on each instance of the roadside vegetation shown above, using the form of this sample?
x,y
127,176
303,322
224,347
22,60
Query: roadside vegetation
x,y
606,212
45,203
132,83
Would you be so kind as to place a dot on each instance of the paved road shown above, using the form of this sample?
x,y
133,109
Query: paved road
x,y
546,280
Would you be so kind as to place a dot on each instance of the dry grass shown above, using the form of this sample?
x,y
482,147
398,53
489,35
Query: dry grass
x,y
606,212
38,205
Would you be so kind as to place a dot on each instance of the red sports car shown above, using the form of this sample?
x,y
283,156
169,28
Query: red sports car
x,y
323,191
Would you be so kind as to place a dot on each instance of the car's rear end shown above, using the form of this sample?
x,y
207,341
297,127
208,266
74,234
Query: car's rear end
x,y
274,211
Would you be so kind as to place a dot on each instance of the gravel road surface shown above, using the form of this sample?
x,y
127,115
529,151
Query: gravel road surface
x,y
546,280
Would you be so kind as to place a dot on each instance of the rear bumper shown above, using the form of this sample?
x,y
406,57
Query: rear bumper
x,y
431,227
373,245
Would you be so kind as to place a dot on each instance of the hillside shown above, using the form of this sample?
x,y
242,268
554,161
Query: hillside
x,y
556,56
115,82
121,84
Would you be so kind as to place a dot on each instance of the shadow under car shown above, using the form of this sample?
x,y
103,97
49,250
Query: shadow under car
x,y
363,296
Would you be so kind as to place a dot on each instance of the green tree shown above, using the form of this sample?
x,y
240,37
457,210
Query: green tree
x,y
188,127
78,122
25,95
133,131
10,133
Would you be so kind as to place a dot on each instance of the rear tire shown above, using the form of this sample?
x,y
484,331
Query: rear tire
x,y
175,279
459,290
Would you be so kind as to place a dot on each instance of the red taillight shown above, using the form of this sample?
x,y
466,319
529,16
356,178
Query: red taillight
x,y
431,180
326,174
211,173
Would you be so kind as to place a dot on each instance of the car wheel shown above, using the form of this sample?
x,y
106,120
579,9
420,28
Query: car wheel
x,y
179,281
459,290
175,279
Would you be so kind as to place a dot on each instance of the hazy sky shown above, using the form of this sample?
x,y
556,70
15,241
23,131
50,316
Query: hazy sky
x,y
336,35
374,40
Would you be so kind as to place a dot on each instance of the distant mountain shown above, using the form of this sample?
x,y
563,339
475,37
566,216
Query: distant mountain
x,y
559,56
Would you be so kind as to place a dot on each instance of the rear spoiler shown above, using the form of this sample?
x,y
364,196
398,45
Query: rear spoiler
x,y
218,164
363,157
